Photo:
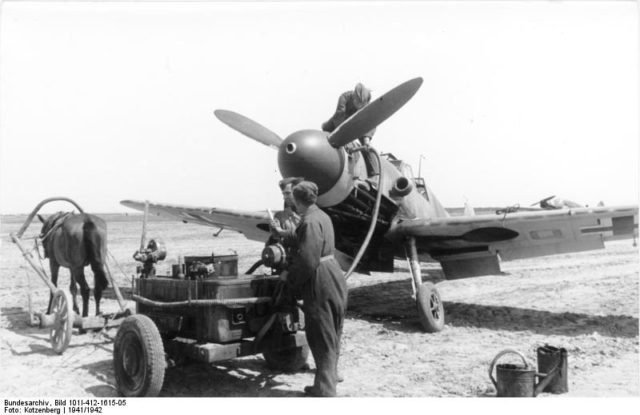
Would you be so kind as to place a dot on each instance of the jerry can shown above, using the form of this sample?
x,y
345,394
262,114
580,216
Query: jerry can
x,y
550,357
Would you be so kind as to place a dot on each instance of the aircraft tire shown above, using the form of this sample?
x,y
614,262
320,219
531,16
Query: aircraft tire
x,y
430,308
138,357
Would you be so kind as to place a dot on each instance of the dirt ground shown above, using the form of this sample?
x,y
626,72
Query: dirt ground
x,y
585,302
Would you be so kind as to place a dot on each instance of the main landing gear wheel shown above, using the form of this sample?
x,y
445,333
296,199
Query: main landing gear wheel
x,y
62,310
287,360
430,308
138,357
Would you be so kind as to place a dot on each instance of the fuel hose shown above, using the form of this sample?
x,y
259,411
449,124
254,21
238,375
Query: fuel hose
x,y
201,303
374,216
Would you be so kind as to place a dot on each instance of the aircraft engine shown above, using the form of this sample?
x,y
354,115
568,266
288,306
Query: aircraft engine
x,y
308,154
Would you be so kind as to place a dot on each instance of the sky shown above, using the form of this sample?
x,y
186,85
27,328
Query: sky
x,y
102,102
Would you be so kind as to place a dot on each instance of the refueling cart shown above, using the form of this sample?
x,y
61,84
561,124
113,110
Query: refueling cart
x,y
203,311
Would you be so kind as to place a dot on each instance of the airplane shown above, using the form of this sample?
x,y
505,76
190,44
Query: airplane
x,y
387,214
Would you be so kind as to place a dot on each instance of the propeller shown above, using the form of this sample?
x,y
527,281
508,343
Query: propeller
x,y
250,128
374,113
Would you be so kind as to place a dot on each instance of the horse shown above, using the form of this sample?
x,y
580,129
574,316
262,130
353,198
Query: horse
x,y
74,241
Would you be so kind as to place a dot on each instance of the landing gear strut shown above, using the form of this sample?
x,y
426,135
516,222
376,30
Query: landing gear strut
x,y
428,302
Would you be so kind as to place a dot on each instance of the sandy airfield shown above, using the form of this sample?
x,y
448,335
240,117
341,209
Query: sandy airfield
x,y
586,302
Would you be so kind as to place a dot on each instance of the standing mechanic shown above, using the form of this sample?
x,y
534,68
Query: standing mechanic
x,y
316,274
285,222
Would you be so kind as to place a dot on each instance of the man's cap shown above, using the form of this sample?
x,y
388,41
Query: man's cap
x,y
306,192
289,180
362,93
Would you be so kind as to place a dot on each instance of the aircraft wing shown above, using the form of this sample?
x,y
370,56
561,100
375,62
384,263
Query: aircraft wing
x,y
254,225
470,245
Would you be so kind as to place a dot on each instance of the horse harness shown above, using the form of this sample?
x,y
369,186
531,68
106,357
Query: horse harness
x,y
57,223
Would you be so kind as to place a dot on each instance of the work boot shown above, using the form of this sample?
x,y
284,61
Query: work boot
x,y
311,391
339,376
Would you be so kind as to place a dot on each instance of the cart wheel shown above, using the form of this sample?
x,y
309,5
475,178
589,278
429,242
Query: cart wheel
x,y
287,360
62,311
138,357
430,308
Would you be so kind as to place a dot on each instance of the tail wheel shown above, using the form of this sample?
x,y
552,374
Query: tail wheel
x,y
287,360
138,357
430,308
62,310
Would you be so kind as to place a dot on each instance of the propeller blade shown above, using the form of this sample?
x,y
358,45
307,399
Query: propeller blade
x,y
250,128
374,113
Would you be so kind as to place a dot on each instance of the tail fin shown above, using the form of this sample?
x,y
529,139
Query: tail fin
x,y
468,209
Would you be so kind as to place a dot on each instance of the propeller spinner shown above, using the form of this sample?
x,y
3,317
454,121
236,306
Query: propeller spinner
x,y
308,154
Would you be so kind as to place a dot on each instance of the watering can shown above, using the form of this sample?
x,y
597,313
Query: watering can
x,y
515,380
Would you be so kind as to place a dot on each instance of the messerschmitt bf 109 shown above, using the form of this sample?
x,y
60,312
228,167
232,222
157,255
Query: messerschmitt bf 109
x,y
383,213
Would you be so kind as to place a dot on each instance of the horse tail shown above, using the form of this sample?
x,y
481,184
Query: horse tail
x,y
95,244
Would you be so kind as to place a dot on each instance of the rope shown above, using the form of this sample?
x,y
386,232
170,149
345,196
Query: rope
x,y
130,279
36,243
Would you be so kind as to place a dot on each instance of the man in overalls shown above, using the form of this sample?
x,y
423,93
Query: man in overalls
x,y
315,273
349,103
284,224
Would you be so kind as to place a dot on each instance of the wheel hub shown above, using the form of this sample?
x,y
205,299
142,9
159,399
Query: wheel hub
x,y
131,360
435,305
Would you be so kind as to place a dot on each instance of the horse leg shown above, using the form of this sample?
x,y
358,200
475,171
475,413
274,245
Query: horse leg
x,y
54,267
73,289
78,276
99,283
